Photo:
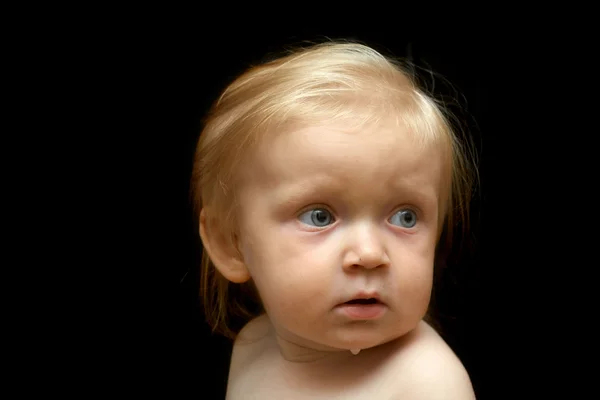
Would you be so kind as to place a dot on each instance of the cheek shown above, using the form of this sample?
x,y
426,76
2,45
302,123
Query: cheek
x,y
417,286
414,277
287,271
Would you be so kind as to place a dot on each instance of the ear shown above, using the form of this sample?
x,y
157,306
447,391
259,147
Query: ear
x,y
223,253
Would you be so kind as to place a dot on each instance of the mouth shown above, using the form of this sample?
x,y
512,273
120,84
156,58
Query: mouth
x,y
371,300
364,298
363,308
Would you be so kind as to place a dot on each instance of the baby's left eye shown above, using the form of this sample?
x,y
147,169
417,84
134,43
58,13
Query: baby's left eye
x,y
404,218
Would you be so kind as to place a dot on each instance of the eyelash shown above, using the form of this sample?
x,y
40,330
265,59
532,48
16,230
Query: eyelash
x,y
333,218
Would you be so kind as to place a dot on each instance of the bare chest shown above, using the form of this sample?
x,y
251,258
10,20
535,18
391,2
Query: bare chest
x,y
272,380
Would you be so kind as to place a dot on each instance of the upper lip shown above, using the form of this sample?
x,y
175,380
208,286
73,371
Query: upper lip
x,y
365,296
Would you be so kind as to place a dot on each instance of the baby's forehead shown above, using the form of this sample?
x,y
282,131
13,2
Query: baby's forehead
x,y
382,151
386,134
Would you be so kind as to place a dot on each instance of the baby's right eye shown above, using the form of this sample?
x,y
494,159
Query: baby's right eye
x,y
317,217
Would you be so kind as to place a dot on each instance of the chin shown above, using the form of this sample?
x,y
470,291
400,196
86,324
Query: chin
x,y
372,338
361,340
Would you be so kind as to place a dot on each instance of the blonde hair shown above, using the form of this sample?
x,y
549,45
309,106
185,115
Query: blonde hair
x,y
328,82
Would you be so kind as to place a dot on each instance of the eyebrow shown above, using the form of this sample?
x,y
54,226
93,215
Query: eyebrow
x,y
327,186
300,190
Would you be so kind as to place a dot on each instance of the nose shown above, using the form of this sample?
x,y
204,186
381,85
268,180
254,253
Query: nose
x,y
365,248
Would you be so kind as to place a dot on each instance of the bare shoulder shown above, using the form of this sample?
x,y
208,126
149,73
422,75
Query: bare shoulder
x,y
249,344
254,331
432,370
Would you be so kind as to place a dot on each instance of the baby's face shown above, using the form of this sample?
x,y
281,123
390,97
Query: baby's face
x,y
330,215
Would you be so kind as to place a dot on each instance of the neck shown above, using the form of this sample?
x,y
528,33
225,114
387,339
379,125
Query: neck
x,y
302,351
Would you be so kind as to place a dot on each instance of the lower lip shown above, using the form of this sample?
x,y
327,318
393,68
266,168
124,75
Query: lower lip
x,y
362,311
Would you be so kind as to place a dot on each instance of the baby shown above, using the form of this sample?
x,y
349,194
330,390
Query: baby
x,y
323,182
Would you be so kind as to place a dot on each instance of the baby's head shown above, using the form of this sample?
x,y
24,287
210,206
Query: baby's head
x,y
322,177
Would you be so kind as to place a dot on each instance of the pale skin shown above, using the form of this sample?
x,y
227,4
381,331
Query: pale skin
x,y
331,214
418,365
